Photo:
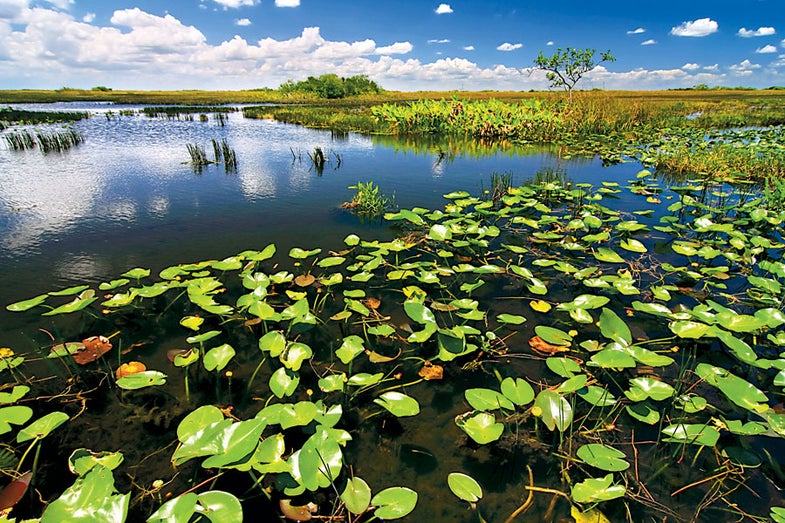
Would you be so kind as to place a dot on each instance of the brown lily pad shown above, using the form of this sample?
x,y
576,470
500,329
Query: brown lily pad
x,y
94,348
304,280
429,371
543,348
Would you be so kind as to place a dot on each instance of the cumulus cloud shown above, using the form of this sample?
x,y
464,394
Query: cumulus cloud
x,y
761,31
468,48
234,4
442,41
700,27
506,46
287,3
636,31
649,42
549,42
444,9
396,48
242,22
766,49
88,18
690,67
49,48
745,68
713,67
11,9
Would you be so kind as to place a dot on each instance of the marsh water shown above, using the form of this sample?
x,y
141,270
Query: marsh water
x,y
128,197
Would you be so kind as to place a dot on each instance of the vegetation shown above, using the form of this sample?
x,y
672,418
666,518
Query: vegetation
x,y
46,141
9,116
637,373
331,86
565,67
222,154
369,201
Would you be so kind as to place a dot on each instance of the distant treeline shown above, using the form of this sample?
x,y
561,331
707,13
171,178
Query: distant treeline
x,y
706,87
332,86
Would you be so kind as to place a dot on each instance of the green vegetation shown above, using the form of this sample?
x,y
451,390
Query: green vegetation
x,y
46,141
369,201
222,154
331,86
565,67
9,116
642,353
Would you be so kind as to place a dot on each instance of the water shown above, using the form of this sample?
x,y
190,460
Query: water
x,y
127,197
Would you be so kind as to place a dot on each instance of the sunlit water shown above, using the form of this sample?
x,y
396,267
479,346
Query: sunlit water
x,y
128,197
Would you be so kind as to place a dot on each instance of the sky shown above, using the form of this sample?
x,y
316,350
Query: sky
x,y
405,45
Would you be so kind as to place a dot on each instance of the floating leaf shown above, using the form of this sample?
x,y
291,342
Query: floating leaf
x,y
553,335
41,427
594,490
540,306
513,319
603,457
21,306
487,399
394,502
480,426
464,486
556,411
140,380
607,255
356,495
398,404
695,434
517,390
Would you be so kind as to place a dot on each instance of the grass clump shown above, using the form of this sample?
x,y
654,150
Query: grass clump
x,y
369,201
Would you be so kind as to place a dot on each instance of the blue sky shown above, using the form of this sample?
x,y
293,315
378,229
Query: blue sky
x,y
401,44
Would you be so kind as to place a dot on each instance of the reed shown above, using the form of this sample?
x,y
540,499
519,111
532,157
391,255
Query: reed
x,y
56,141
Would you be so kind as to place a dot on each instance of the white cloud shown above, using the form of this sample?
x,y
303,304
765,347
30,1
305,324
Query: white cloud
x,y
287,3
549,42
649,42
11,9
242,22
234,4
761,31
690,67
745,68
700,27
766,49
396,48
506,46
88,18
636,31
442,41
49,48
714,67
444,9
468,48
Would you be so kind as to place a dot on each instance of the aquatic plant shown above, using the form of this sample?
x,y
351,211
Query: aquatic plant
x,y
640,349
52,141
368,201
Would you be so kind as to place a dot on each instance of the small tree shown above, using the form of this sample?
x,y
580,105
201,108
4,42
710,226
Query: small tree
x,y
567,66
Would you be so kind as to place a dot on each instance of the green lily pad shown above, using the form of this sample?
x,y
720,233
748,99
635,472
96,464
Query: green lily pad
x,y
394,502
398,404
603,457
464,486
594,490
480,426
356,495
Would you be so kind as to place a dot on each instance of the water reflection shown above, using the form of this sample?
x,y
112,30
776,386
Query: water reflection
x,y
129,196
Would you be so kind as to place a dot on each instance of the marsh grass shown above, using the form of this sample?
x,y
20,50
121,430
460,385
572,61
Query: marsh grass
x,y
54,141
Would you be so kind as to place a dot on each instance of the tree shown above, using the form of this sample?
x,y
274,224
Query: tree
x,y
567,66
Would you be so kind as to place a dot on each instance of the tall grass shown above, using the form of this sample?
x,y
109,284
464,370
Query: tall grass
x,y
54,141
